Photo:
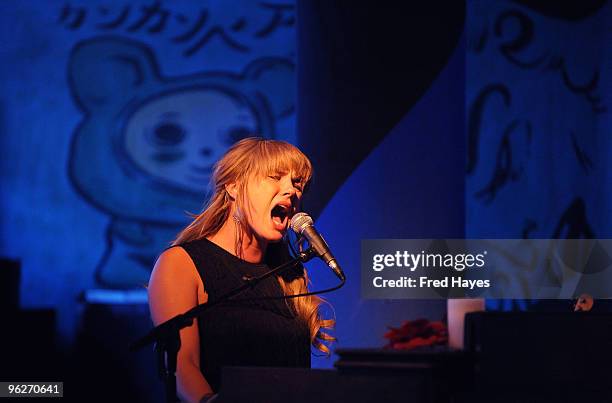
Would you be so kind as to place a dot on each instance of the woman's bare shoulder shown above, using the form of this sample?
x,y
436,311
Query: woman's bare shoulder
x,y
175,285
173,264
175,254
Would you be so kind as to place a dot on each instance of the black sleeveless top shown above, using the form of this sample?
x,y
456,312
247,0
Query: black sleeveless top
x,y
244,333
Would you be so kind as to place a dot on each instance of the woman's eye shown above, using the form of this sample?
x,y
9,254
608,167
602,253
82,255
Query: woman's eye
x,y
275,177
297,183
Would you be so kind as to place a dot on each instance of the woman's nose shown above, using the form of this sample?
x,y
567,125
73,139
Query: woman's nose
x,y
289,191
287,187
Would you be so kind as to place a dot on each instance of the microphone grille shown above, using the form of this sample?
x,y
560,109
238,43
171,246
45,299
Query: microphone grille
x,y
300,221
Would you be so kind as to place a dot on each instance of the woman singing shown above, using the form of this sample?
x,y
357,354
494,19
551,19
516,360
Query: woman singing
x,y
258,185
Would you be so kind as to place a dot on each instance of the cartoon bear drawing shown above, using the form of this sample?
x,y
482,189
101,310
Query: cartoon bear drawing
x,y
144,151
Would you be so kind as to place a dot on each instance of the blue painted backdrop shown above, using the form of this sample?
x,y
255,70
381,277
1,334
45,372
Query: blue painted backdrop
x,y
538,88
113,113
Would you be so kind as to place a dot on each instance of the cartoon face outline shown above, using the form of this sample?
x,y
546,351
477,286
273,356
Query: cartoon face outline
x,y
111,78
175,137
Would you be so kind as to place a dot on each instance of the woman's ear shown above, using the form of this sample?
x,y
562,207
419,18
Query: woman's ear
x,y
232,190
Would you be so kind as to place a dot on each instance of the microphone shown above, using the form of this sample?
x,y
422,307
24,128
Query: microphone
x,y
302,224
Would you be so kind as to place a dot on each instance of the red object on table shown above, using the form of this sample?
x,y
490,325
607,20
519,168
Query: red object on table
x,y
417,333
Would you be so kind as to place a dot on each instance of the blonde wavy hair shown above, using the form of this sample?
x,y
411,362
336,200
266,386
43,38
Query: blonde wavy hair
x,y
251,158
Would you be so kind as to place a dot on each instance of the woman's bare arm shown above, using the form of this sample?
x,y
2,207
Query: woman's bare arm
x,y
175,287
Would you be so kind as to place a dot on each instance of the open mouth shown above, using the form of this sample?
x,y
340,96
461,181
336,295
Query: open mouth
x,y
280,216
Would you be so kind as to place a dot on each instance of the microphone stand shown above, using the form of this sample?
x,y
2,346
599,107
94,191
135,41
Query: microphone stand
x,y
167,338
